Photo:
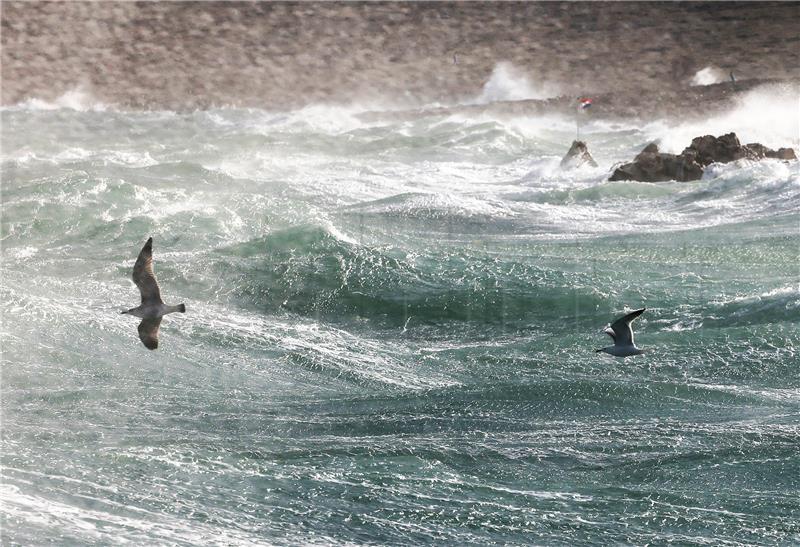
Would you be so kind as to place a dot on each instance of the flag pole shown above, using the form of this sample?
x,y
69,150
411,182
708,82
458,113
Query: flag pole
x,y
584,103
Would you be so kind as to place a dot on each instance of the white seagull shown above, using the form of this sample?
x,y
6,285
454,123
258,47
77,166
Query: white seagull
x,y
152,308
620,330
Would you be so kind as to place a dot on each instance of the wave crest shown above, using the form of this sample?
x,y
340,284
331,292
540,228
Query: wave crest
x,y
310,271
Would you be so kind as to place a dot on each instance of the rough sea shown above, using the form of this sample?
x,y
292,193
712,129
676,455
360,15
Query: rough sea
x,y
391,329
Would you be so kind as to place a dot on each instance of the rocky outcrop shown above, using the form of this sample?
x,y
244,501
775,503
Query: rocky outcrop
x,y
762,151
709,149
654,166
577,156
650,165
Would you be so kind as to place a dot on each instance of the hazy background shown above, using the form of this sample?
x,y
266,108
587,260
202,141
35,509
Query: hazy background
x,y
279,55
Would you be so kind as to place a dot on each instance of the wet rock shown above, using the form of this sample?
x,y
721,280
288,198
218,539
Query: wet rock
x,y
709,149
762,151
577,156
782,154
650,165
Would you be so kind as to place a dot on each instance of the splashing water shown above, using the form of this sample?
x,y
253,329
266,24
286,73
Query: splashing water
x,y
709,75
508,83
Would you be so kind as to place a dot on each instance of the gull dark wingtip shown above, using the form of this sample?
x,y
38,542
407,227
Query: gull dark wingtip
x,y
147,248
636,313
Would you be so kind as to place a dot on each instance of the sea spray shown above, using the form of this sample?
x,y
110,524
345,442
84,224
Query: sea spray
x,y
510,83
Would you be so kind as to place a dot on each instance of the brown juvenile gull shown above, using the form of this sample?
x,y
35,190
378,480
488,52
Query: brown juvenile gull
x,y
152,308
620,330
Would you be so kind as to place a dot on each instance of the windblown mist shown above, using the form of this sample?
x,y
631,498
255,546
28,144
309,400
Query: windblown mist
x,y
391,324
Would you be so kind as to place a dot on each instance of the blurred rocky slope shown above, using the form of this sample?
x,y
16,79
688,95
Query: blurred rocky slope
x,y
279,55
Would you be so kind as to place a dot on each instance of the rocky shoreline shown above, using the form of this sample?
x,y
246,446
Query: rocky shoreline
x,y
642,104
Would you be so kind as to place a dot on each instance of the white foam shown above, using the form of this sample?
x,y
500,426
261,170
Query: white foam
x,y
75,99
21,252
441,205
329,118
708,76
132,159
769,115
338,234
162,204
789,295
100,522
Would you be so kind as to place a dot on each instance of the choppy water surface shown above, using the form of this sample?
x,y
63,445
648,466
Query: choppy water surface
x,y
390,333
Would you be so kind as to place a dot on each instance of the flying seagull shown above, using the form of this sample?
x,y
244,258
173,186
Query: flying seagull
x,y
620,330
152,308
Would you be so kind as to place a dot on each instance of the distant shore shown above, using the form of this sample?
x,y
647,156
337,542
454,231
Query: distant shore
x,y
285,55
686,102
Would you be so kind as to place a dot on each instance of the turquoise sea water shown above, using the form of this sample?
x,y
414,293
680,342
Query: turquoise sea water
x,y
390,332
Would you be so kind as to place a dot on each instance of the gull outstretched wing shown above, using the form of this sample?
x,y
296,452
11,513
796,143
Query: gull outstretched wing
x,y
622,328
144,277
148,332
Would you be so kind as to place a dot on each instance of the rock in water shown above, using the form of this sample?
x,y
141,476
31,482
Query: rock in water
x,y
709,149
762,151
577,156
781,154
650,165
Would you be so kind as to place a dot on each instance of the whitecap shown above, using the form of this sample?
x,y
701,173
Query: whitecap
x,y
75,99
509,83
